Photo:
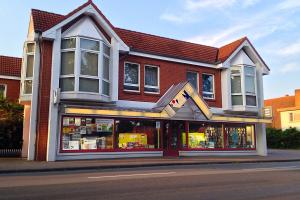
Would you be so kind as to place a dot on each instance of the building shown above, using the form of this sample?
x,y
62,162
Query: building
x,y
10,76
286,111
92,90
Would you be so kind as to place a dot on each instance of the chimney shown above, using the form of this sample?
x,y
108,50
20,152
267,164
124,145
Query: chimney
x,y
297,97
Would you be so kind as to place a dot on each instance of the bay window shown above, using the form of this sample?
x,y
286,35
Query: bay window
x,y
208,86
192,77
151,79
243,85
85,66
132,77
29,64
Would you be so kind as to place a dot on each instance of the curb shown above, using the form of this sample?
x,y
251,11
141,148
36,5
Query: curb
x,y
138,166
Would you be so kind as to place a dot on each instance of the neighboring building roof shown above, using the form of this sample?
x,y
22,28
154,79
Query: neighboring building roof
x,y
146,43
10,66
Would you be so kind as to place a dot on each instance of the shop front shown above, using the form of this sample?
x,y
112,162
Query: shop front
x,y
94,134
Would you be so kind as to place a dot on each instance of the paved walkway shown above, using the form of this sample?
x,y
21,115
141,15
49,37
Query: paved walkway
x,y
10,165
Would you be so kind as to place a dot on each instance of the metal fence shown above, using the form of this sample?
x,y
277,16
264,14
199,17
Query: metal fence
x,y
10,152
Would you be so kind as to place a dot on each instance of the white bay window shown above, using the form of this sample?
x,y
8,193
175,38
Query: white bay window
x,y
28,64
243,86
85,66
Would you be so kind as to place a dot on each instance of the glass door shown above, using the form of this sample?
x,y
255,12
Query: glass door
x,y
171,140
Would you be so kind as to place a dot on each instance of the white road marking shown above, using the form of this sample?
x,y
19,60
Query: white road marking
x,y
131,175
272,169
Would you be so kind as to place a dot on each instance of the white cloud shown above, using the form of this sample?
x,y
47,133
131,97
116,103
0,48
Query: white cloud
x,y
289,49
288,4
290,67
193,5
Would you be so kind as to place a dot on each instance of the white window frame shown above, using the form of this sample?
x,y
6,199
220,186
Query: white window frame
x,y
255,90
77,66
5,90
213,85
188,71
24,73
243,85
134,85
158,80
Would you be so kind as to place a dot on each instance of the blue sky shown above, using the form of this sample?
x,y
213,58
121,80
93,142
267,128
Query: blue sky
x,y
271,25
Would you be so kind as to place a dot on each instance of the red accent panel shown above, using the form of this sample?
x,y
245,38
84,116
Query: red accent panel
x,y
170,73
44,100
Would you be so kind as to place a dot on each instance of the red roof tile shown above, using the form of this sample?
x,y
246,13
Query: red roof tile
x,y
147,43
227,50
152,44
10,66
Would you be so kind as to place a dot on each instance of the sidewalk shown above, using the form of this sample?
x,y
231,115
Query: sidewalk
x,y
12,165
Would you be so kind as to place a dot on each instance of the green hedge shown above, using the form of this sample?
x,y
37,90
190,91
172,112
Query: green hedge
x,y
287,139
11,125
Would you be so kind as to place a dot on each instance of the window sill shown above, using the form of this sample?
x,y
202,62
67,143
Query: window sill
x,y
132,92
85,96
152,93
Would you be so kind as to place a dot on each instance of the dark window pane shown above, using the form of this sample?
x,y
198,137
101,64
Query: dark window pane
x,y
105,88
89,44
207,83
237,100
148,89
249,84
67,63
89,64
68,43
250,100
28,87
89,85
105,68
66,84
236,84
106,50
29,68
151,76
131,73
128,87
192,77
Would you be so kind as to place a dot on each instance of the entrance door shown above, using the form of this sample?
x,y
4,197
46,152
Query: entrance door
x,y
171,140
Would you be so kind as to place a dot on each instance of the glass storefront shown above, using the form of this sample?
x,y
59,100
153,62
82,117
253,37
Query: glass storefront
x,y
101,134
240,137
86,133
137,134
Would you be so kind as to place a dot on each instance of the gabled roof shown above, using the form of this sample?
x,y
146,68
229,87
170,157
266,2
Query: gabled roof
x,y
152,44
147,43
226,51
10,66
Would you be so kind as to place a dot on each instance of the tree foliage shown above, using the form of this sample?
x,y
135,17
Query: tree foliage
x,y
11,124
287,139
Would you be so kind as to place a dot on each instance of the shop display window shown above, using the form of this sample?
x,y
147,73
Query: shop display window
x,y
240,137
86,133
205,136
137,134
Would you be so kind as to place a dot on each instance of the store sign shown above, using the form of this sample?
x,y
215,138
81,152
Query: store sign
x,y
157,125
267,112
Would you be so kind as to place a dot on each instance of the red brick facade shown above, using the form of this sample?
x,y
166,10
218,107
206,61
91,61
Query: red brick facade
x,y
170,73
44,100
12,89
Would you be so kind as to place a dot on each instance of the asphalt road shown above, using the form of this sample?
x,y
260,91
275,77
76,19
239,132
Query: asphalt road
x,y
231,181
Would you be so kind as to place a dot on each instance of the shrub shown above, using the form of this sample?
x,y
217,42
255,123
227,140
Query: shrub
x,y
11,124
287,139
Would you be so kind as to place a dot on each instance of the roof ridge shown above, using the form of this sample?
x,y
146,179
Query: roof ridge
x,y
166,37
242,38
10,57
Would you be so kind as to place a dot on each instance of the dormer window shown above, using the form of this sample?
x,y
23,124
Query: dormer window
x,y
85,66
243,87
